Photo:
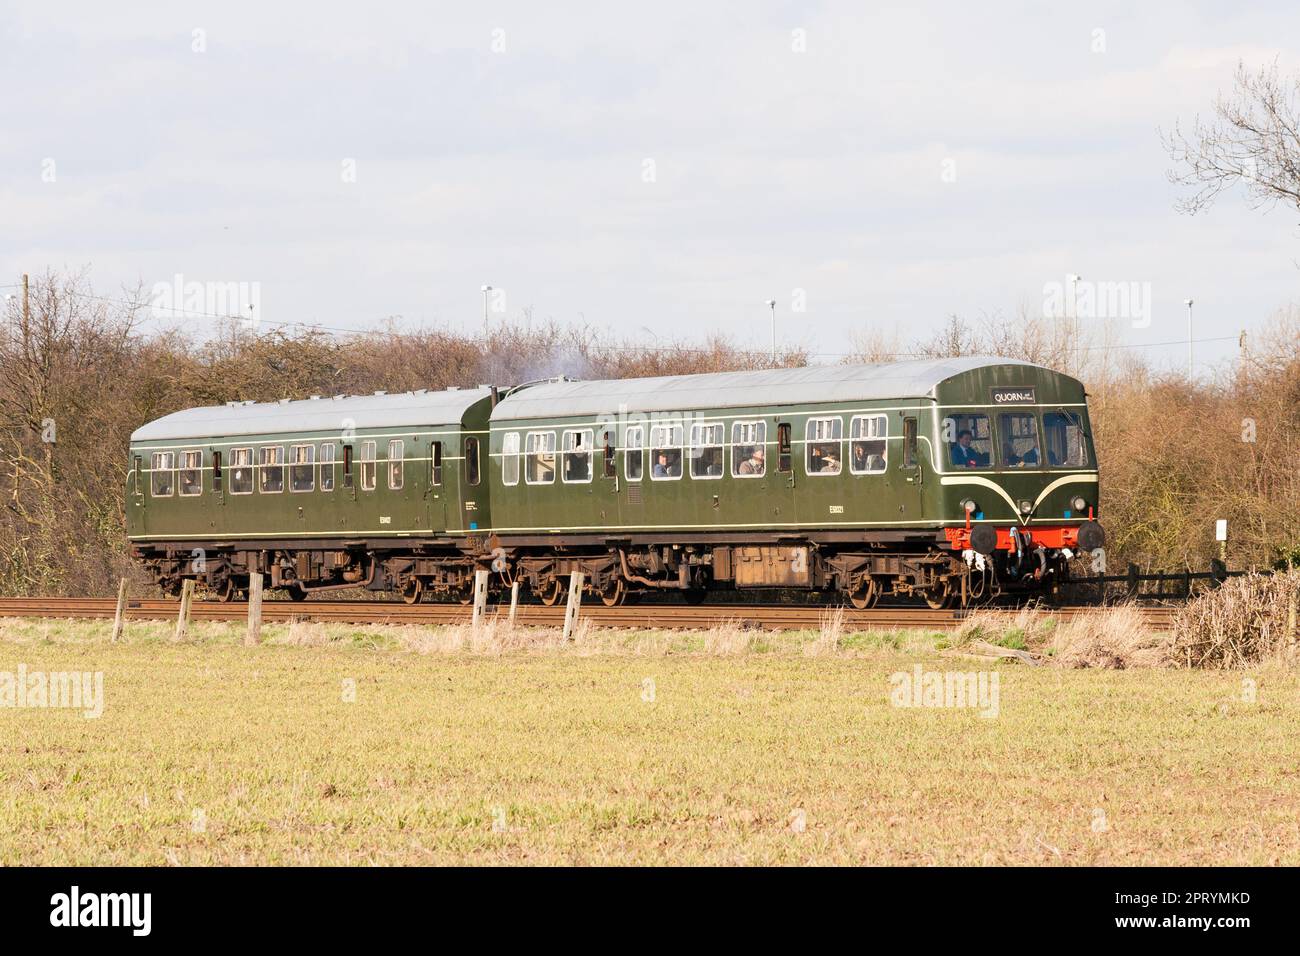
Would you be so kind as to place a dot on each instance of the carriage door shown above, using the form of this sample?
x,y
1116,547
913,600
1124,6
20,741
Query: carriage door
x,y
138,499
470,487
913,472
434,490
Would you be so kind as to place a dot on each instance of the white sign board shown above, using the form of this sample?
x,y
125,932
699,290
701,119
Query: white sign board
x,y
1221,530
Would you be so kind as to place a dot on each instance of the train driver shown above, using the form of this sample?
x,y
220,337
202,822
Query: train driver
x,y
963,456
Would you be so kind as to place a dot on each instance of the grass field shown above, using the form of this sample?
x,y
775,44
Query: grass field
x,y
723,748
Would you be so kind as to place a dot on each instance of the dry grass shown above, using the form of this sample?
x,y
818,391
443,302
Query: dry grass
x,y
1246,621
1113,638
517,749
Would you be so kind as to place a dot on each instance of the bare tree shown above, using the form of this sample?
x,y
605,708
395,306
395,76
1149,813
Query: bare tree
x,y
1254,140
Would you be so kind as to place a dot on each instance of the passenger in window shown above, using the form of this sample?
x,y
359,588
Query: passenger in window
x,y
667,465
754,464
963,456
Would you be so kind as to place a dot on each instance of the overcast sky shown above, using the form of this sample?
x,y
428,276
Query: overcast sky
x,y
651,168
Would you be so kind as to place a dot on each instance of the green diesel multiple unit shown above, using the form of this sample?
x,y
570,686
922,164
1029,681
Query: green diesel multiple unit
x,y
949,480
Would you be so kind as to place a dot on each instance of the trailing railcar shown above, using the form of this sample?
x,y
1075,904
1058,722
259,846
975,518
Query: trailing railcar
x,y
950,480
378,491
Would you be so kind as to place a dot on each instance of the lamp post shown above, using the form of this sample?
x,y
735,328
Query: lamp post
x,y
771,304
1072,317
1188,303
485,290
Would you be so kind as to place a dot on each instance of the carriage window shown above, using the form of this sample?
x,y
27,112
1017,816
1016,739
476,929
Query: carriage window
x,y
868,450
1064,437
665,452
435,462
369,470
160,478
396,474
633,457
784,459
135,473
510,458
241,471
825,440
191,473
302,467
749,449
706,450
1019,434
611,454
327,467
216,472
270,460
347,466
909,442
539,456
969,440
577,455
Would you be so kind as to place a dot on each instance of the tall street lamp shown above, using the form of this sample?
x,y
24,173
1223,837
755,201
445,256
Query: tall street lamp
x,y
485,290
771,304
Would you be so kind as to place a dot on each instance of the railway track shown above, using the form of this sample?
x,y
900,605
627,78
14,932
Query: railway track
x,y
780,617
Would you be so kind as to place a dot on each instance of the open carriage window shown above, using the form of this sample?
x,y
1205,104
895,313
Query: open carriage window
x,y
302,468
191,473
633,457
577,455
161,475
868,448
825,445
749,449
539,456
241,471
665,452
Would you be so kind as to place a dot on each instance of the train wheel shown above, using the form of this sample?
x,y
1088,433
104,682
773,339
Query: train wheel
x,y
613,597
227,592
296,592
695,595
413,591
551,594
866,596
942,599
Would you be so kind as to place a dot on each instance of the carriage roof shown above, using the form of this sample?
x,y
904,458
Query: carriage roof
x,y
813,384
406,409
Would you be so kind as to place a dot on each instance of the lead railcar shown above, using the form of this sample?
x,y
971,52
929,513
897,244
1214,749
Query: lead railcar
x,y
950,480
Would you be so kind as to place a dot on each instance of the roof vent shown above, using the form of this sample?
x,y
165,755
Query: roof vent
x,y
315,398
453,388
381,393
284,401
232,404
337,397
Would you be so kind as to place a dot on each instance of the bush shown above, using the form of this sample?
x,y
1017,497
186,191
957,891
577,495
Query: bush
x,y
1249,620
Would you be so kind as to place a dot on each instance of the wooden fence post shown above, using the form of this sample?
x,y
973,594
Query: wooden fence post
x,y
183,615
575,601
254,635
514,602
119,619
480,597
